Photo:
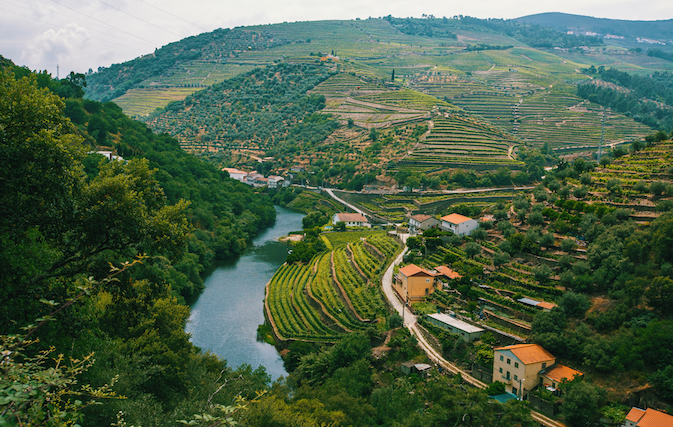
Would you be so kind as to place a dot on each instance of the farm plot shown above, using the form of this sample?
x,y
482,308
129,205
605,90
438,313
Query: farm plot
x,y
455,139
329,297
292,315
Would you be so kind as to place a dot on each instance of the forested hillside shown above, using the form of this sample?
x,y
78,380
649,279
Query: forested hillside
x,y
258,108
648,99
96,255
215,47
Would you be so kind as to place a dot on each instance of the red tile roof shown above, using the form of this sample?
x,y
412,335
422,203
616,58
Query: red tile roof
x,y
455,218
421,217
649,418
559,373
446,271
529,353
413,269
351,217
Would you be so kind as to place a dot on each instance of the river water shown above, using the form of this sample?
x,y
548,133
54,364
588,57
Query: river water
x,y
224,319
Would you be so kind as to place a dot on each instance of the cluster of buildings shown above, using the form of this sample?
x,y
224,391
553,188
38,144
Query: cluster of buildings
x,y
255,179
455,223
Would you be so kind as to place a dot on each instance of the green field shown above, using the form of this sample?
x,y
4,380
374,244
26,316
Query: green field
x,y
336,293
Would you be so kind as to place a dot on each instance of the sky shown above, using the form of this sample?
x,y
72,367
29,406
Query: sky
x,y
79,35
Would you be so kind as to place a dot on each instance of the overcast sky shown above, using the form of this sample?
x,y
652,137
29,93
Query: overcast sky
x,y
82,34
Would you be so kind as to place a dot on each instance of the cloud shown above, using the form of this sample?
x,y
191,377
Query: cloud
x,y
57,47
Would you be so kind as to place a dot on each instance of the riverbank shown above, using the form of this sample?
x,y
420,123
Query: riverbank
x,y
225,317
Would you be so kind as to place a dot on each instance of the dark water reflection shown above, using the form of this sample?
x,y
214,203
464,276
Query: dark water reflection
x,y
224,319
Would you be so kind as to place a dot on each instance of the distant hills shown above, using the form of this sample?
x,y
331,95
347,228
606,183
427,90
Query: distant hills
x,y
396,93
653,31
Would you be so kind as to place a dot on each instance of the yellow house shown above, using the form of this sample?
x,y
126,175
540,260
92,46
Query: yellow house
x,y
413,283
519,366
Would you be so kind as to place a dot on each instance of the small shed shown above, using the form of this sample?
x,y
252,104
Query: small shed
x,y
422,369
466,331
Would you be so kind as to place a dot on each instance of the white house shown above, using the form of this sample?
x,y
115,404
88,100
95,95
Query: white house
x,y
236,174
276,181
252,178
351,219
422,222
110,155
459,224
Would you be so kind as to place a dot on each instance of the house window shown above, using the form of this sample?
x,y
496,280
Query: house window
x,y
544,365
509,361
501,370
427,280
426,291
516,364
516,378
507,374
501,358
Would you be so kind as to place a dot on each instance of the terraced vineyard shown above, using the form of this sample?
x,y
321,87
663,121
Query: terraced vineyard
x,y
531,110
455,140
370,104
332,295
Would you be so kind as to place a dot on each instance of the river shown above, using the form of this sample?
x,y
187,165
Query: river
x,y
225,317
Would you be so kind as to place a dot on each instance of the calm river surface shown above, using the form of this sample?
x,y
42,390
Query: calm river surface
x,y
224,319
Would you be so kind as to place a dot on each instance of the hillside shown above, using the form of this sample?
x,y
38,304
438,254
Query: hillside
x,y
516,80
661,31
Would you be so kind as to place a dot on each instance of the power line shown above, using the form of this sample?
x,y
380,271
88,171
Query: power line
x,y
139,19
107,40
175,16
105,23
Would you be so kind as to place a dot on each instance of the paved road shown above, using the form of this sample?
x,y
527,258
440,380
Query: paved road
x,y
342,201
411,323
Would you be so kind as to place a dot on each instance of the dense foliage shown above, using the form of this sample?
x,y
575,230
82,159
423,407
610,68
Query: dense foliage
x,y
647,99
532,35
260,107
91,255
215,47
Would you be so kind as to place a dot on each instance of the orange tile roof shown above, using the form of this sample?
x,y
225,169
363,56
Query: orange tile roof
x,y
559,373
529,353
455,218
446,271
649,418
547,305
635,414
413,269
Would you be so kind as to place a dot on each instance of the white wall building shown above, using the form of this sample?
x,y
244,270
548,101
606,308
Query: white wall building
x,y
459,224
351,219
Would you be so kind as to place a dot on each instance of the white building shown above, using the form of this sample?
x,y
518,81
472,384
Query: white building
x,y
422,222
236,174
276,181
459,224
351,219
466,331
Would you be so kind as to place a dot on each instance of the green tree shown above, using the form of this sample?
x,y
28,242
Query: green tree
x,y
581,403
472,249
660,294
